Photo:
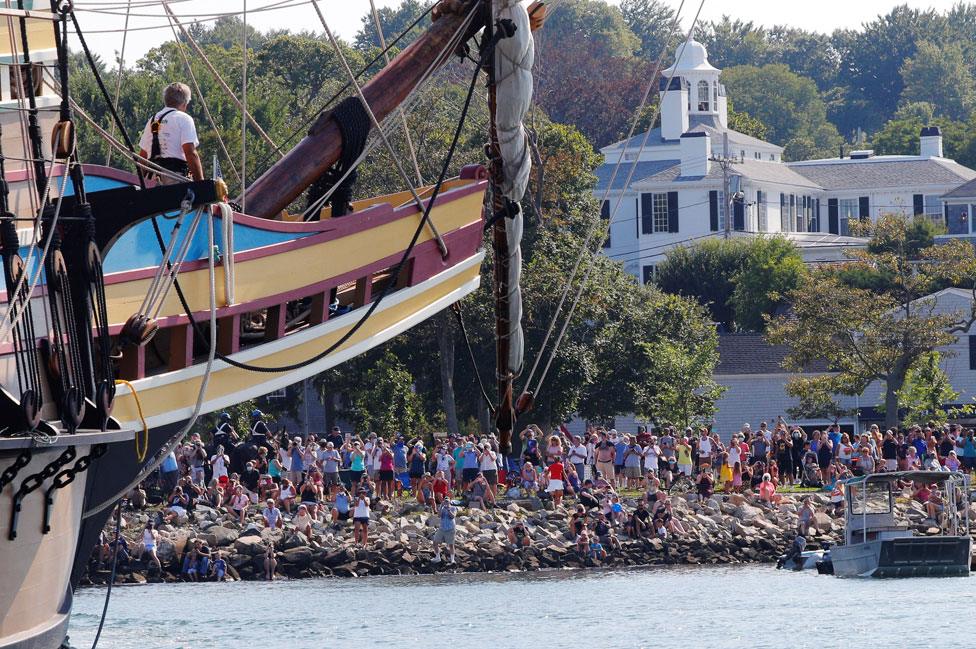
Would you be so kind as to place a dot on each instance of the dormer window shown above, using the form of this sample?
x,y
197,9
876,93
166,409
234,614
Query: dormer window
x,y
703,105
715,95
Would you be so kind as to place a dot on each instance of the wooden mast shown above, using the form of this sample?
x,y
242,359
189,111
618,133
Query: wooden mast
x,y
320,149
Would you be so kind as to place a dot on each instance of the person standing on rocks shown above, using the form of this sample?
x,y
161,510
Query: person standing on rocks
x,y
488,465
386,472
417,462
632,462
783,446
360,518
270,562
330,468
444,462
469,465
684,453
445,534
555,486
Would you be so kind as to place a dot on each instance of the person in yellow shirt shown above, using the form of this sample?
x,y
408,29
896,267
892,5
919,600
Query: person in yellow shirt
x,y
684,456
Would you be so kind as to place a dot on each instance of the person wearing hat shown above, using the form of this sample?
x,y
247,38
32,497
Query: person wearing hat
x,y
259,431
224,431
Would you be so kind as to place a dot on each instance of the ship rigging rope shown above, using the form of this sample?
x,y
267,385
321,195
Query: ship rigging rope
x,y
118,79
220,80
244,109
22,106
115,563
142,448
394,274
203,102
598,226
408,104
116,10
307,118
376,124
403,117
176,438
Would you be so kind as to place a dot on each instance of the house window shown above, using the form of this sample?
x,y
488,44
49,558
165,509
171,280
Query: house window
x,y
815,219
757,155
649,274
278,394
715,95
723,208
847,210
703,96
791,221
761,211
660,212
772,157
605,215
933,209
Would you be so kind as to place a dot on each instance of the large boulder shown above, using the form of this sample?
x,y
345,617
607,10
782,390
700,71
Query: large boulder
x,y
747,513
219,536
822,522
249,545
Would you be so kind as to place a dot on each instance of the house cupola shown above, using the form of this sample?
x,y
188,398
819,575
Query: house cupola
x,y
694,94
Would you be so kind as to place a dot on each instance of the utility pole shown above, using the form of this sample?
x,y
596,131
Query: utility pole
x,y
726,161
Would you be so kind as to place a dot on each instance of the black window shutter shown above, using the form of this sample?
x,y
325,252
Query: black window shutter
x,y
637,219
816,216
833,216
945,214
972,352
647,213
738,215
672,211
713,210
918,203
605,210
863,207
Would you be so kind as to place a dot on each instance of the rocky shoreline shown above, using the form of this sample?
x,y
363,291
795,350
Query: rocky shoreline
x,y
725,529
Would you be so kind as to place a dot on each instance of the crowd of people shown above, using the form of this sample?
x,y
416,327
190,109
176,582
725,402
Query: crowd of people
x,y
334,479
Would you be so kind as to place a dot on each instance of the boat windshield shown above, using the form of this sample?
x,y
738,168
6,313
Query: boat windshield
x,y
870,498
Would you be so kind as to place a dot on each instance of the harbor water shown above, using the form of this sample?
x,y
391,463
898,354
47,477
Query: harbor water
x,y
715,607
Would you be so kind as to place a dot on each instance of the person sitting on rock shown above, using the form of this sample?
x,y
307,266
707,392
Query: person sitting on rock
x,y
705,483
639,523
440,488
518,535
220,567
272,515
530,479
303,521
597,551
586,497
767,491
239,503
577,522
270,561
478,493
663,515
176,506
424,490
340,510
805,517
150,541
583,542
286,495
604,532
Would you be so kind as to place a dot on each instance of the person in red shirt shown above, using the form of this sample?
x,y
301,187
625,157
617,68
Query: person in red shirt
x,y
555,486
440,488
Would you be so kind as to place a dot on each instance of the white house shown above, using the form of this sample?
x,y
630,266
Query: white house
x,y
675,194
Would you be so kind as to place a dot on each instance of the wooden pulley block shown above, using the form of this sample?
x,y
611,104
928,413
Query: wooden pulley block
x,y
445,7
524,403
138,330
63,139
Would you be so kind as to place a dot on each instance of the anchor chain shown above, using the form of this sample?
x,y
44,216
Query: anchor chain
x,y
66,477
10,473
32,482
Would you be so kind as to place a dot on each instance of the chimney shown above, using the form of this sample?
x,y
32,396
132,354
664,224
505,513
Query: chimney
x,y
930,145
696,149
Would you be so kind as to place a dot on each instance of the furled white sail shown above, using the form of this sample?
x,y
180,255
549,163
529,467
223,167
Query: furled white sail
x,y
513,85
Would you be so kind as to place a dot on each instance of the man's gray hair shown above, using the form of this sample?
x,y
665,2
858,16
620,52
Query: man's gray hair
x,y
176,94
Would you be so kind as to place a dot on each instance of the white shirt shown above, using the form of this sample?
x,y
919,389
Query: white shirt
x,y
577,454
734,453
285,458
219,465
704,447
444,462
651,452
488,462
175,130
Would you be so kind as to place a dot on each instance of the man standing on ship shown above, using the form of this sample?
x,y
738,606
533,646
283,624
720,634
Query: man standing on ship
x,y
170,137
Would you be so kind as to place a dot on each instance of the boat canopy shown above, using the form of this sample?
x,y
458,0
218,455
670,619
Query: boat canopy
x,y
914,476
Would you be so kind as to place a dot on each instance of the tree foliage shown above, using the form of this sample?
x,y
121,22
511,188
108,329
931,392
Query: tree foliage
x,y
939,75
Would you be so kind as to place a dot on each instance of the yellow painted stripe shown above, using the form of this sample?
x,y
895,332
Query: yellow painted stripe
x,y
230,380
295,269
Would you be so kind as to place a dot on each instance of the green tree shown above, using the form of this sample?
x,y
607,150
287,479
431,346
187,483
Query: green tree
x,y
939,75
745,123
733,42
864,335
599,26
771,269
394,21
705,272
789,105
650,21
926,392
871,59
